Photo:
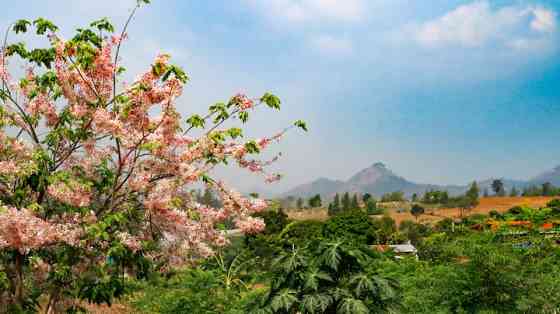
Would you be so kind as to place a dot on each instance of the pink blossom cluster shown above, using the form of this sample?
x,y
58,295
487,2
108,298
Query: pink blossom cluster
x,y
42,105
20,229
131,242
243,102
72,193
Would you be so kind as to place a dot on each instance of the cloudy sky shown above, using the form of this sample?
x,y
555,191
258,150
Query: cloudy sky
x,y
442,91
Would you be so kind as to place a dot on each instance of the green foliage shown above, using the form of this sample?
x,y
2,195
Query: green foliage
x,y
352,226
273,101
327,277
417,210
414,232
103,25
435,197
498,187
20,26
372,209
315,201
301,232
385,230
301,124
189,291
397,196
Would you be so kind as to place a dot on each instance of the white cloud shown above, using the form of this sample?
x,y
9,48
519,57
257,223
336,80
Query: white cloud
x,y
333,46
478,24
544,20
311,10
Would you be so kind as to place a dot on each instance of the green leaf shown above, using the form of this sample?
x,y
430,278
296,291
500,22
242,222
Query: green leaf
x,y
42,25
251,147
271,100
17,48
42,57
177,72
20,26
285,299
316,303
301,124
235,133
352,306
331,255
244,116
103,25
196,121
362,283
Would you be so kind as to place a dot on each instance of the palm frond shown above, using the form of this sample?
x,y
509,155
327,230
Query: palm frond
x,y
316,303
290,261
312,278
361,284
352,306
331,255
284,300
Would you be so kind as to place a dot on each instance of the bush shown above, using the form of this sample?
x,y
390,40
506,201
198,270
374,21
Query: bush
x,y
301,232
414,232
354,226
495,214
190,291
555,203
275,220
385,230
516,210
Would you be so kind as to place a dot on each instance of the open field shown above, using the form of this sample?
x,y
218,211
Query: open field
x,y
500,204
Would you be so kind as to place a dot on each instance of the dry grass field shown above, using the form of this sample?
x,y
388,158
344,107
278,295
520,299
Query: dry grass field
x,y
500,204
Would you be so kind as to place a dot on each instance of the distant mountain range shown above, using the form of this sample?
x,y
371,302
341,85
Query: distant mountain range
x,y
378,180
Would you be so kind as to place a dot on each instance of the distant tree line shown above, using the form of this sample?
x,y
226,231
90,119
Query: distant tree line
x,y
545,189
348,203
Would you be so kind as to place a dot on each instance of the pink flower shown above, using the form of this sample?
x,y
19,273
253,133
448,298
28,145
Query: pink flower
x,y
243,102
74,194
23,231
250,225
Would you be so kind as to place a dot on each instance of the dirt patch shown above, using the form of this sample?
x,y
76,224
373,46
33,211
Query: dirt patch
x,y
319,214
487,204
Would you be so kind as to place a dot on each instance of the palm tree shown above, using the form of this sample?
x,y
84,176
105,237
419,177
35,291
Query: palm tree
x,y
332,278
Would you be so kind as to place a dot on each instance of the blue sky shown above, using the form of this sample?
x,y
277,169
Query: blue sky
x,y
441,91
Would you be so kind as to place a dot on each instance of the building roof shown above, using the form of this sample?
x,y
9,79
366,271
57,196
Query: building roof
x,y
403,248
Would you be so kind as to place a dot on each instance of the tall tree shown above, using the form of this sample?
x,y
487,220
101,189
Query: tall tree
x,y
416,211
547,189
498,187
514,192
299,203
366,197
346,201
354,202
95,174
315,201
473,192
334,206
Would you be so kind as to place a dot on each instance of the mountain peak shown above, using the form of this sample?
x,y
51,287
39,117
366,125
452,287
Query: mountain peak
x,y
379,165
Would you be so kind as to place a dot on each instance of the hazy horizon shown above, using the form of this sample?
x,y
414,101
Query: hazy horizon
x,y
443,93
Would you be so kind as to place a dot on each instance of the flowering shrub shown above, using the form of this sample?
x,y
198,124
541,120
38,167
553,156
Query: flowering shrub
x,y
93,184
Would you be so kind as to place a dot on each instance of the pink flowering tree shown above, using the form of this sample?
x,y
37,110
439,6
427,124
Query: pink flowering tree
x,y
96,176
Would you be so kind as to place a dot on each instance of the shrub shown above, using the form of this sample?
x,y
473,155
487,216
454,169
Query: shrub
x,y
354,226
301,232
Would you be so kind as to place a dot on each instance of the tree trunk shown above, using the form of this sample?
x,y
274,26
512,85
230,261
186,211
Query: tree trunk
x,y
19,278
